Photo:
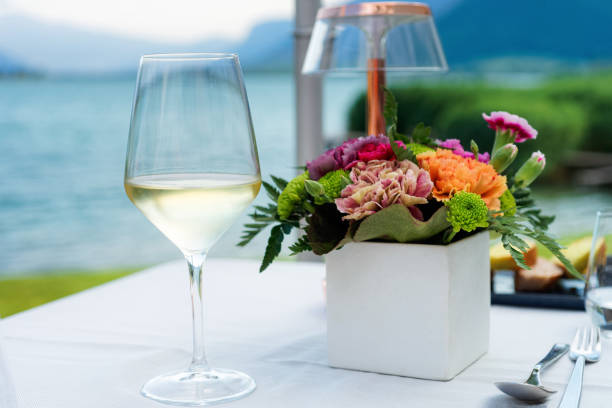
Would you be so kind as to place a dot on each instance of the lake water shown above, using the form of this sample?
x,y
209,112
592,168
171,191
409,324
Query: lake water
x,y
62,144
62,203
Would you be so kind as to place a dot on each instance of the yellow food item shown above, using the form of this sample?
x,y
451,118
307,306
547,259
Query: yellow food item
x,y
501,258
542,276
578,253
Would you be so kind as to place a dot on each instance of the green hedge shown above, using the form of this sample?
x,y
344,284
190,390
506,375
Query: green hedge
x,y
594,95
569,113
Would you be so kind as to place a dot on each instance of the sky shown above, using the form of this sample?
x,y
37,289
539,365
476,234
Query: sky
x,y
160,20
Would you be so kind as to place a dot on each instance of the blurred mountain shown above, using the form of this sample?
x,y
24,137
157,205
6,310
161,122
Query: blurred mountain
x,y
56,48
476,34
268,47
548,29
9,66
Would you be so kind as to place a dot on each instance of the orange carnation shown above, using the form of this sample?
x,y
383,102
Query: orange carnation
x,y
452,173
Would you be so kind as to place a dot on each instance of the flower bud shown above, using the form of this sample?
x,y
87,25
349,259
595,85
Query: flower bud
x,y
474,148
530,170
503,157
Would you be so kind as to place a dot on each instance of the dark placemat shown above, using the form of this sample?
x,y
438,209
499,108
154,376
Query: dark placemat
x,y
568,294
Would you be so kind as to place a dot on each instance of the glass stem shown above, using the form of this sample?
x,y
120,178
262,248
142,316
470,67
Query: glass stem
x,y
195,262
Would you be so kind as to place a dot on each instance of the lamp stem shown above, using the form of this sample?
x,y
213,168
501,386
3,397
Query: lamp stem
x,y
376,83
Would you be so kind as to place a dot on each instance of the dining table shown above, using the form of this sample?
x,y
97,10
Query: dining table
x,y
96,348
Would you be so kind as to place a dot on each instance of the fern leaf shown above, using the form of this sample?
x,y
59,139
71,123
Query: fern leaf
x,y
273,193
273,248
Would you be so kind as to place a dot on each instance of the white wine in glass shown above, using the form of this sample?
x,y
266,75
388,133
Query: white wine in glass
x,y
192,210
192,169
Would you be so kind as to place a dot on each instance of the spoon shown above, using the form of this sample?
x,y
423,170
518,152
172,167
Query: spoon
x,y
532,389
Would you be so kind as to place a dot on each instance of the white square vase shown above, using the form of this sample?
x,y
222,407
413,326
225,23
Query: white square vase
x,y
413,310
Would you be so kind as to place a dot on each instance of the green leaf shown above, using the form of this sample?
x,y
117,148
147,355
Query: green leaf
x,y
280,183
301,245
421,134
389,108
248,235
518,256
402,153
255,226
286,228
273,193
275,243
511,227
325,228
270,209
396,223
554,247
262,217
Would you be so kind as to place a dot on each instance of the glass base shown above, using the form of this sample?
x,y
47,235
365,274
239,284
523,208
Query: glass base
x,y
190,388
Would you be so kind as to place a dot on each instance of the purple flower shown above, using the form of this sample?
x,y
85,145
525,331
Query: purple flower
x,y
322,165
517,126
453,144
484,157
344,156
457,148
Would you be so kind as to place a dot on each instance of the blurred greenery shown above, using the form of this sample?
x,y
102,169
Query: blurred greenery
x,y
18,294
569,112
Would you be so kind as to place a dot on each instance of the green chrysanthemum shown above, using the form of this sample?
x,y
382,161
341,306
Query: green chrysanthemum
x,y
508,203
467,211
292,195
334,182
418,148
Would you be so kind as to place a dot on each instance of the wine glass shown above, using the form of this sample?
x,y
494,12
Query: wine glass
x,y
598,300
192,169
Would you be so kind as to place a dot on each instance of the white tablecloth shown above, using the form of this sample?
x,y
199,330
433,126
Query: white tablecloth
x,y
96,348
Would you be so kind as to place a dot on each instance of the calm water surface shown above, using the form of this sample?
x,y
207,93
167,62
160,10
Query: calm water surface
x,y
62,145
62,203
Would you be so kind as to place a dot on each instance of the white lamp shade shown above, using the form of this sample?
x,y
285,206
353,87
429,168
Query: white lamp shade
x,y
401,34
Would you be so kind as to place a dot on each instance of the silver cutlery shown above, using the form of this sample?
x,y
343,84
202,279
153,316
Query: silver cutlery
x,y
586,347
532,389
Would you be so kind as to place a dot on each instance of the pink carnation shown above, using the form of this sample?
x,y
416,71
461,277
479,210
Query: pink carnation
x,y
504,121
379,184
457,148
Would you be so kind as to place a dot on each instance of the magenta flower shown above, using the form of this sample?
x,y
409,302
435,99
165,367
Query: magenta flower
x,y
514,124
484,157
457,148
453,144
381,183
345,156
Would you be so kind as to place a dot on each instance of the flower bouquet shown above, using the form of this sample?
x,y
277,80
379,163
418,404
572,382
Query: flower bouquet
x,y
412,217
410,189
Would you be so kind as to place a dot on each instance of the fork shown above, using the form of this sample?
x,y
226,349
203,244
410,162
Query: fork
x,y
585,347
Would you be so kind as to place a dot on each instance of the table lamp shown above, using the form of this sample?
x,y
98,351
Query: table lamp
x,y
374,37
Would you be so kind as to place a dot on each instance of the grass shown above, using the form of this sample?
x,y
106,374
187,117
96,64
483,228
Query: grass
x,y
19,294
